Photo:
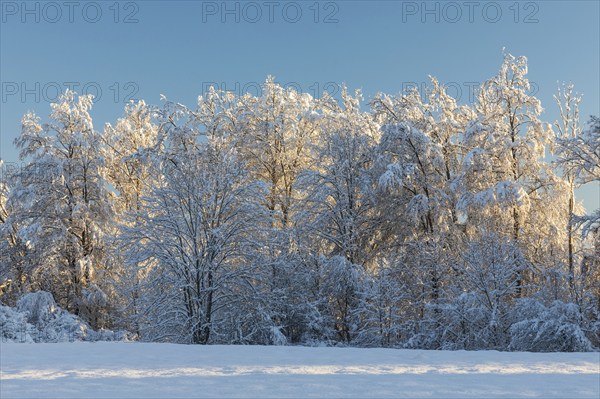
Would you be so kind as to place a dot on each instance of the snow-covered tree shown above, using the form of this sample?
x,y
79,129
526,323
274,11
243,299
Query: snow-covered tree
x,y
277,128
338,217
127,148
340,195
568,128
505,183
579,152
419,154
383,317
192,232
60,206
6,238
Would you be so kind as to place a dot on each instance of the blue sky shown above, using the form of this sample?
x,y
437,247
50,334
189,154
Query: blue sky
x,y
142,49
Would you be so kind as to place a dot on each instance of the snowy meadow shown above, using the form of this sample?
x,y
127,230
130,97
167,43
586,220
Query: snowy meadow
x,y
136,370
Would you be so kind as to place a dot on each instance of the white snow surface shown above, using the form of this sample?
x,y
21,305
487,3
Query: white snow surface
x,y
145,370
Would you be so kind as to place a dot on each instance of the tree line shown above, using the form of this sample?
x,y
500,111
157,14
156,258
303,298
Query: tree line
x,y
413,221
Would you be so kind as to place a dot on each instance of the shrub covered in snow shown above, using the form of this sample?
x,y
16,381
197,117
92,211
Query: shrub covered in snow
x,y
548,329
14,326
461,324
52,324
37,318
39,307
466,324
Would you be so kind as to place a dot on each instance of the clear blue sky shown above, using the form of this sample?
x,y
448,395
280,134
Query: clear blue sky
x,y
177,47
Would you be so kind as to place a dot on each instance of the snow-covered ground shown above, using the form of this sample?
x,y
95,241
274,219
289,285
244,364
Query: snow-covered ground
x,y
128,370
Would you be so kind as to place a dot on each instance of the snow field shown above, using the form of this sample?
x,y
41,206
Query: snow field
x,y
143,370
